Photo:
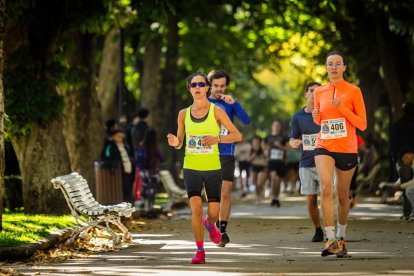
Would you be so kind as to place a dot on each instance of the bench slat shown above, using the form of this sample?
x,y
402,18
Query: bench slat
x,y
82,200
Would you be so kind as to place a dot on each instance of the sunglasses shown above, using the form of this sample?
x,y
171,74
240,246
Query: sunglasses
x,y
200,84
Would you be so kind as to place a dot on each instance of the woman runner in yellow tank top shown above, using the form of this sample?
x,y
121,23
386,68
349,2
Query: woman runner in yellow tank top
x,y
201,124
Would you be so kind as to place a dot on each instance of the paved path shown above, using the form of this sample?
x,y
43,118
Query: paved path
x,y
264,241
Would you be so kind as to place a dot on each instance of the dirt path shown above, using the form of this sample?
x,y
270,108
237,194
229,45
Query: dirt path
x,y
264,241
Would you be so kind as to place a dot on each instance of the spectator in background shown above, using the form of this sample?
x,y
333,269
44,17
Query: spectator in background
x,y
403,131
242,156
137,129
117,150
259,163
406,183
369,155
292,170
110,125
277,146
148,157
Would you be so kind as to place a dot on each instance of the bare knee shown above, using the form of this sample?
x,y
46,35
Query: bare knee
x,y
343,200
326,192
196,212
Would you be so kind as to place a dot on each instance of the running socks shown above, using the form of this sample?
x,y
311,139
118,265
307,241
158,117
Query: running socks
x,y
223,226
210,226
340,230
200,245
330,232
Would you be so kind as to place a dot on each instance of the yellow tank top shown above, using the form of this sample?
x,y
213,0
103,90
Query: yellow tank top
x,y
198,157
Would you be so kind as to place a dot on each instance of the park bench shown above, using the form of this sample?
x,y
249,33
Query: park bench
x,y
369,181
176,195
83,204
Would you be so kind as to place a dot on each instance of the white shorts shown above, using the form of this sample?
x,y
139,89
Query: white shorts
x,y
309,180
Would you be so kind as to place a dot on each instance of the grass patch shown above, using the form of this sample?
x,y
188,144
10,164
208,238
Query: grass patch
x,y
20,229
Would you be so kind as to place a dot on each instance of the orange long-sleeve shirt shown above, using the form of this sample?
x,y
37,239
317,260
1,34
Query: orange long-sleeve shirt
x,y
351,108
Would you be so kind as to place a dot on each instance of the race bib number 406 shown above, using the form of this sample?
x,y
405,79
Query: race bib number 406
x,y
333,128
194,145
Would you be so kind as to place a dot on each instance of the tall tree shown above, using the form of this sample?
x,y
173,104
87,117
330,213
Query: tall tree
x,y
82,127
51,49
2,158
33,105
108,76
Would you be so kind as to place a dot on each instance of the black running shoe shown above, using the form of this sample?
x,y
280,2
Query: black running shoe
x,y
275,202
318,237
224,239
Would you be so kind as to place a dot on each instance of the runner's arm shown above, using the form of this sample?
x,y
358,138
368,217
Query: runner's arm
x,y
240,113
359,118
177,141
223,119
315,113
294,134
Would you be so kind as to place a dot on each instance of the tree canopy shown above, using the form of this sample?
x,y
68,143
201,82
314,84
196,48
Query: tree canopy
x,y
55,53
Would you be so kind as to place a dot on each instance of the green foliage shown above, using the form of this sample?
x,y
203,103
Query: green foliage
x,y
20,229
28,97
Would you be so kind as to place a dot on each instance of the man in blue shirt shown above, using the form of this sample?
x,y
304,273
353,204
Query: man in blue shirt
x,y
219,80
303,131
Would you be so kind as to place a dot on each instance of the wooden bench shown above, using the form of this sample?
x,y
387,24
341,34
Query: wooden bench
x,y
82,204
175,193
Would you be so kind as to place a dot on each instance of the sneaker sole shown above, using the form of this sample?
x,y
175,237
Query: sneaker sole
x,y
198,262
325,253
343,256
223,243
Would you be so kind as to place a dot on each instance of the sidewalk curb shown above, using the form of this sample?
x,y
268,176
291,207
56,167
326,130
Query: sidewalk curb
x,y
26,251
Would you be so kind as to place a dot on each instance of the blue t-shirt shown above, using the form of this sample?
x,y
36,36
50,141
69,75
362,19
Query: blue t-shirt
x,y
302,123
232,110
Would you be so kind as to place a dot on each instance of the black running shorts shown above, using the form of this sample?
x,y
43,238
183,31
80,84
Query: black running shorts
x,y
278,166
227,168
343,161
194,181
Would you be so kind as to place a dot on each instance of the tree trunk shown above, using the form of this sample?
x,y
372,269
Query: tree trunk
x,y
83,128
150,79
42,155
168,103
2,157
109,75
372,89
387,53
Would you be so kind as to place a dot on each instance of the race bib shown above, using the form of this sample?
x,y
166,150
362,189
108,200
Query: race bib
x,y
333,128
308,141
276,154
223,131
195,146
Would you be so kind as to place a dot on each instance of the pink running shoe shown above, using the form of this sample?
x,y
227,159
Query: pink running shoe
x,y
215,234
199,258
